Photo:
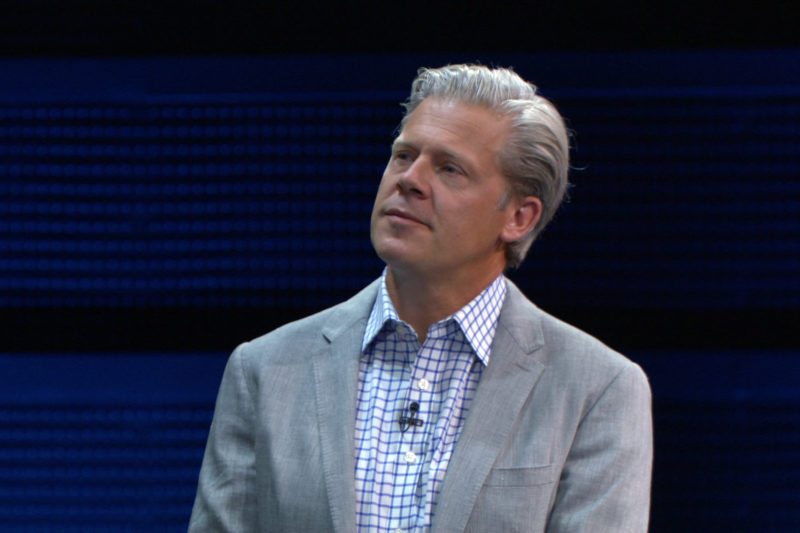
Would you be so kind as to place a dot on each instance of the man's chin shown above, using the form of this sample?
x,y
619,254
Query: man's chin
x,y
400,255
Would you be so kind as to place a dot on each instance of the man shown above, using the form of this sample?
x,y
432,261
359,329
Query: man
x,y
438,398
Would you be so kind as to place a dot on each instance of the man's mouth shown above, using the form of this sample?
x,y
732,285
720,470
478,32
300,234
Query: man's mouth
x,y
397,213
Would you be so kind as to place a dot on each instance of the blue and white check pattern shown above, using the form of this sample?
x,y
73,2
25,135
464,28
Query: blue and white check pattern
x,y
399,474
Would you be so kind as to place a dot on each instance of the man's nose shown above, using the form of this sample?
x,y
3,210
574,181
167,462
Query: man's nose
x,y
415,179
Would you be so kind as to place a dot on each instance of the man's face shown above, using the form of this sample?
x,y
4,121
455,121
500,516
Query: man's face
x,y
437,211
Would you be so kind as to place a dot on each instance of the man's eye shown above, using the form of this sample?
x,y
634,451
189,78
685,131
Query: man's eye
x,y
451,169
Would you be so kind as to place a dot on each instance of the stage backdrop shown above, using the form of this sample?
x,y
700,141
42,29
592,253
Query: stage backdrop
x,y
156,212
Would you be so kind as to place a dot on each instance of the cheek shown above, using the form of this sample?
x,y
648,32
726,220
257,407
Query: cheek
x,y
479,219
381,192
384,188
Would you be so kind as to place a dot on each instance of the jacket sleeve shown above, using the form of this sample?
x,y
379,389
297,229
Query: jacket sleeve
x,y
226,500
605,483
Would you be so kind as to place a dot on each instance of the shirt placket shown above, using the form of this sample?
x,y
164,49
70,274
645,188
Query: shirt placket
x,y
425,390
410,451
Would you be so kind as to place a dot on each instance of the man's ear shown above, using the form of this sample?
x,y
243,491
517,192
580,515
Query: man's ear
x,y
523,214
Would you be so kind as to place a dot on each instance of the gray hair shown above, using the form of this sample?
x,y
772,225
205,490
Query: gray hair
x,y
535,157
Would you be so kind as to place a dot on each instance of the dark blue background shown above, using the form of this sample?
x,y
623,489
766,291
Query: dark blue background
x,y
155,211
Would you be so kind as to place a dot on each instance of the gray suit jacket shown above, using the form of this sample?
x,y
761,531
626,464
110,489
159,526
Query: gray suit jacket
x,y
558,437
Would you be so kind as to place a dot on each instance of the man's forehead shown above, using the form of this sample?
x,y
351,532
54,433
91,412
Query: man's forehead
x,y
444,122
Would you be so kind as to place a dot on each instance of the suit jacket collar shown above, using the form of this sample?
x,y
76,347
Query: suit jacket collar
x,y
505,385
336,387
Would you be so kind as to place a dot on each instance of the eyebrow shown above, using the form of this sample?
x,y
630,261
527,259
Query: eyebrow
x,y
398,142
459,158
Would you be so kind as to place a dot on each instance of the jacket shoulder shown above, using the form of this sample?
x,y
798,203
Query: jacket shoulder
x,y
309,334
563,345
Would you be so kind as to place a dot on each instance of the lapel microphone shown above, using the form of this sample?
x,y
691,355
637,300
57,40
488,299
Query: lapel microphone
x,y
411,420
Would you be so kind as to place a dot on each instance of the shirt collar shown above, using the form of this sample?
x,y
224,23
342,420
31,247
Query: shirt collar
x,y
477,319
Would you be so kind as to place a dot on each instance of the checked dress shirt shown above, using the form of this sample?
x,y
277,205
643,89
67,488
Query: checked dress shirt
x,y
399,469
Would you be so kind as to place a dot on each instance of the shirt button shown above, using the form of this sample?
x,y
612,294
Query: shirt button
x,y
423,384
399,530
409,457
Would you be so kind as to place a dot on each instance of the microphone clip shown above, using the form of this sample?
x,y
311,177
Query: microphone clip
x,y
411,420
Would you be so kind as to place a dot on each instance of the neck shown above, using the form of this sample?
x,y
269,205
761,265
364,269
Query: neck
x,y
423,301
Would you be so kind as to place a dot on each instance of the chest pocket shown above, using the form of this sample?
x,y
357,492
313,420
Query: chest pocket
x,y
521,477
514,499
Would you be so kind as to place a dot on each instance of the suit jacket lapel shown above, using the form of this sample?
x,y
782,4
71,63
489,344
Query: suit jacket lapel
x,y
336,387
504,387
